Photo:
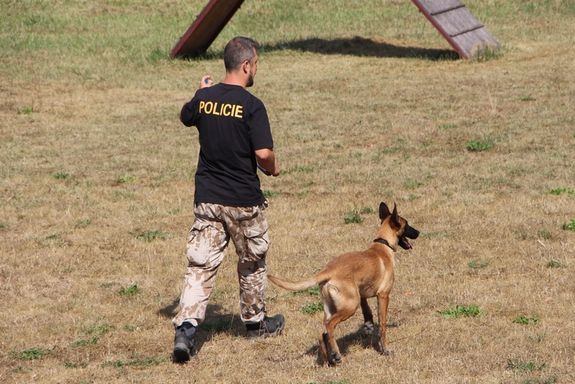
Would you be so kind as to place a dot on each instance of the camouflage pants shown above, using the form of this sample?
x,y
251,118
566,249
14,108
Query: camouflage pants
x,y
209,236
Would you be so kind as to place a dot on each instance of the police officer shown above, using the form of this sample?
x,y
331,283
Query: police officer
x,y
235,140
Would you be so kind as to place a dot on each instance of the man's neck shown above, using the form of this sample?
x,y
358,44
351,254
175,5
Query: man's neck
x,y
232,79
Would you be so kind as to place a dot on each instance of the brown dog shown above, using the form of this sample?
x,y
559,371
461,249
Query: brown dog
x,y
350,279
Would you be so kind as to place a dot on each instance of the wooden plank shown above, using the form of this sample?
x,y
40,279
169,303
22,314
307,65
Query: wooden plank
x,y
458,21
205,28
472,43
458,26
433,7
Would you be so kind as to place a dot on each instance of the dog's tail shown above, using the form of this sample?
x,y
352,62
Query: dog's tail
x,y
293,286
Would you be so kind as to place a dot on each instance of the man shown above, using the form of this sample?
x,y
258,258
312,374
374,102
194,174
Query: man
x,y
235,140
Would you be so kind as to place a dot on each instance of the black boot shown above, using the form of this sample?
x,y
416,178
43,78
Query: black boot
x,y
184,342
268,327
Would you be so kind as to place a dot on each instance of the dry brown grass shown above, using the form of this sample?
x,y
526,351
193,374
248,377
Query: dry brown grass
x,y
94,162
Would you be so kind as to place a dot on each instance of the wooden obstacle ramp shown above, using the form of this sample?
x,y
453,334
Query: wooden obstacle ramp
x,y
450,17
208,24
458,26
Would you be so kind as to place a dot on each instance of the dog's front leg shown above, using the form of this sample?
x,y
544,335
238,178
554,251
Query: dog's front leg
x,y
382,302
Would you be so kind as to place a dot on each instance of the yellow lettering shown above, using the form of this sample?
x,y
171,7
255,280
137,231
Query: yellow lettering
x,y
209,107
239,112
216,112
215,108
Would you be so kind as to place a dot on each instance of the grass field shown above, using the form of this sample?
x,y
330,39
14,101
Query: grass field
x,y
366,104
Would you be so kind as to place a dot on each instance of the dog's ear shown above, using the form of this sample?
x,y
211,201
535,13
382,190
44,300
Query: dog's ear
x,y
383,211
395,217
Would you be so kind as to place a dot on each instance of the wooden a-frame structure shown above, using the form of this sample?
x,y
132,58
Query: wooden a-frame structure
x,y
450,17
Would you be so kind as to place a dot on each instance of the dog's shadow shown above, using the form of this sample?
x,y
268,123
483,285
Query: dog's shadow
x,y
217,321
359,337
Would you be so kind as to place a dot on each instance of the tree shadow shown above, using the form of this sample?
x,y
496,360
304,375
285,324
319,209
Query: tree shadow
x,y
359,46
216,321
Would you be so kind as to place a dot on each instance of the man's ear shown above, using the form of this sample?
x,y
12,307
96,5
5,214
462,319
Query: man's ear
x,y
245,67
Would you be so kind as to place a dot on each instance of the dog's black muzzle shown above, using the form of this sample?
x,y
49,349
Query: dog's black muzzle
x,y
410,233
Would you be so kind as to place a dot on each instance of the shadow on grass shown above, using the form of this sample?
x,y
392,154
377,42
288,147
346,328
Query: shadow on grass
x,y
216,321
356,46
358,337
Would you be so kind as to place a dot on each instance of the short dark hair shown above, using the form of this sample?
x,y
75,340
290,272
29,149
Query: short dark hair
x,y
238,50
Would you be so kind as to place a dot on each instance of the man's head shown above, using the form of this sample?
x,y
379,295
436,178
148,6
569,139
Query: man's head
x,y
240,56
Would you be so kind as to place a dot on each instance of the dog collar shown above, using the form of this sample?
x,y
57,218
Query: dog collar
x,y
384,242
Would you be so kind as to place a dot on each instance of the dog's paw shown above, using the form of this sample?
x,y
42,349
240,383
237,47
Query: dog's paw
x,y
384,351
368,328
334,359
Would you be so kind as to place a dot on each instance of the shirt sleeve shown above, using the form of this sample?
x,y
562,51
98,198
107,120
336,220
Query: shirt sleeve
x,y
259,126
189,113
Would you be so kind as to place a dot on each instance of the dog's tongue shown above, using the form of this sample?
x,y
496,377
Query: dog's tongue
x,y
405,244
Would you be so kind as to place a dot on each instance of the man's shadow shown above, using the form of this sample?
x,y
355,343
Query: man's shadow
x,y
216,321
356,46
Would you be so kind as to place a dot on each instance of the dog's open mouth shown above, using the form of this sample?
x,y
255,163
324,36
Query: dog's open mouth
x,y
404,243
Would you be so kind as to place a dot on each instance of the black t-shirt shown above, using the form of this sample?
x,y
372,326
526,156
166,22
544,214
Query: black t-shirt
x,y
232,124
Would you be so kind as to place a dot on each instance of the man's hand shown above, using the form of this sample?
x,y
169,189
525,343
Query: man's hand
x,y
206,81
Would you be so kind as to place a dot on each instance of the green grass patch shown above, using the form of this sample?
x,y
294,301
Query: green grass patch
x,y
300,169
554,264
570,226
60,175
479,145
157,55
366,211
526,320
85,342
312,291
544,234
72,365
310,309
487,54
149,236
352,217
461,311
537,380
93,334
26,110
477,264
524,366
131,290
32,354
562,191
412,184
82,223
269,194
125,179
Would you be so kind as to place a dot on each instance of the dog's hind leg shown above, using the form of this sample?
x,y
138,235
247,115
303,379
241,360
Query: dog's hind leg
x,y
338,306
382,302
367,317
